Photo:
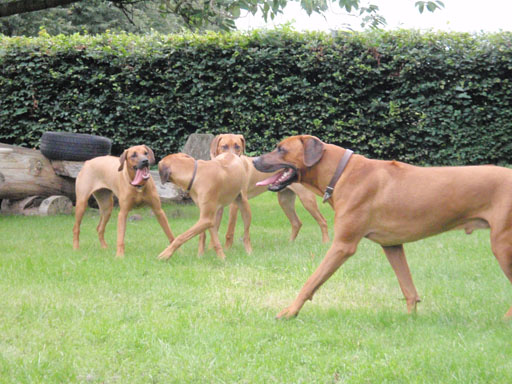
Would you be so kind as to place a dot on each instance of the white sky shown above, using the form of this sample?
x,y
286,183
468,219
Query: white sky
x,y
457,15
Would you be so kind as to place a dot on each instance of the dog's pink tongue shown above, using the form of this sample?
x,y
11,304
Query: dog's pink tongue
x,y
137,180
272,179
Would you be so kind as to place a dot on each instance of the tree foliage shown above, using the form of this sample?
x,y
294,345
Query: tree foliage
x,y
200,14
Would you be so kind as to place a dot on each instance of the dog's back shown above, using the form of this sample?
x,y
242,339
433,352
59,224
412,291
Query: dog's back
x,y
97,173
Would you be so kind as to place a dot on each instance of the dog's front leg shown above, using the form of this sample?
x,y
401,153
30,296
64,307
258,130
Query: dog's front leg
x,y
335,257
200,226
121,229
164,223
214,234
218,220
202,242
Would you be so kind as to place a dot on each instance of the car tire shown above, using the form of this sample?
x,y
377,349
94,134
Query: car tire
x,y
73,146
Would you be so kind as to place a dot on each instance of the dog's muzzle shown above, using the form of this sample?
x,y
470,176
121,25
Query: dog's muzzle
x,y
141,173
286,174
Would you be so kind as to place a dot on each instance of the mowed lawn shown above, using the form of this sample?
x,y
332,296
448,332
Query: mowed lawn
x,y
84,316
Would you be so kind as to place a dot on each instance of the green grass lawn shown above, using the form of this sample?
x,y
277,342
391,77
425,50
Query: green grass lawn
x,y
85,316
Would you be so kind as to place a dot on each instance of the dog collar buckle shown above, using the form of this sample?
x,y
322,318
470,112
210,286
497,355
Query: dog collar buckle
x,y
328,193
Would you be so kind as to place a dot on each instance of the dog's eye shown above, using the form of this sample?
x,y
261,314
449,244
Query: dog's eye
x,y
146,153
225,147
237,146
134,155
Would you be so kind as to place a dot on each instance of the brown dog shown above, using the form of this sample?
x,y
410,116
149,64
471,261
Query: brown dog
x,y
236,144
128,178
392,203
212,184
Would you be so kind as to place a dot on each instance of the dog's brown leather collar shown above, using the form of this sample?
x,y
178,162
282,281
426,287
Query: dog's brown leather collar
x,y
193,176
339,170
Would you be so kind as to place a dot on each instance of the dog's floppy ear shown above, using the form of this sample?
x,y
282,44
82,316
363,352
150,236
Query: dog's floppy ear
x,y
213,146
164,172
313,150
243,143
151,155
122,159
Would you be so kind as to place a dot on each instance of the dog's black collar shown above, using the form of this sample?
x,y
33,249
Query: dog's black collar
x,y
339,170
193,176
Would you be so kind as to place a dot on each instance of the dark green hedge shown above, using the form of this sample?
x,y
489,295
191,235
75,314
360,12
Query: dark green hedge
x,y
431,98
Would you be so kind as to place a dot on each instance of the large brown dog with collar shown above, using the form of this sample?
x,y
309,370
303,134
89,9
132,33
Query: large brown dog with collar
x,y
393,203
129,179
212,184
236,144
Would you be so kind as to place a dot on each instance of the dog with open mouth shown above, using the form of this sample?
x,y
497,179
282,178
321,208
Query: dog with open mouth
x,y
391,203
128,178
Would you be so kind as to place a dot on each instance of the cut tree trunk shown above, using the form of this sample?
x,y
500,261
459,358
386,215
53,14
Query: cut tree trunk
x,y
37,205
26,172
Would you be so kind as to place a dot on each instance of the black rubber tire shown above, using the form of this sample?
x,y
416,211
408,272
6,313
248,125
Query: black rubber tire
x,y
73,146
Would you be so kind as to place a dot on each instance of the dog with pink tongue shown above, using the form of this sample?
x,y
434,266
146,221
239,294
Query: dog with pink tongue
x,y
129,179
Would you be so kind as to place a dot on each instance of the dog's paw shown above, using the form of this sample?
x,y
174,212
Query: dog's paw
x,y
164,256
287,313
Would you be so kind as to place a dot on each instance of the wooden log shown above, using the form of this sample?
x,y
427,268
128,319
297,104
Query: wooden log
x,y
56,205
28,205
67,168
26,172
37,205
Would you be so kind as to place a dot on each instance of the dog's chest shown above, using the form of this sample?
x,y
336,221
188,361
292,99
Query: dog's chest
x,y
139,197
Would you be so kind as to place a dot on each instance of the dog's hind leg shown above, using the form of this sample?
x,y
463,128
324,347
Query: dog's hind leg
x,y
82,196
81,205
230,233
286,199
202,235
396,258
501,243
245,211
308,200
105,199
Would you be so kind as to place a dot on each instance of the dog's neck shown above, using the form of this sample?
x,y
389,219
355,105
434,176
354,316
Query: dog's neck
x,y
318,181
182,173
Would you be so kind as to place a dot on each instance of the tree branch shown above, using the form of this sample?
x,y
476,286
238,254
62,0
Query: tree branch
x,y
23,6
